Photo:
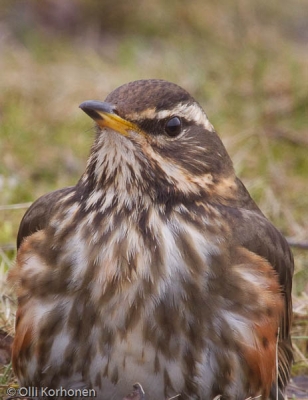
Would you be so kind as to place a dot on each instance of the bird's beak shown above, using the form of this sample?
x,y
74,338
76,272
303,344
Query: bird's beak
x,y
105,117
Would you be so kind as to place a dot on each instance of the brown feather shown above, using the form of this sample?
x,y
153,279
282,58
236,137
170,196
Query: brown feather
x,y
156,267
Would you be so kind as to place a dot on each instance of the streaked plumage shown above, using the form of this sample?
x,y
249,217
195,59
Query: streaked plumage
x,y
156,267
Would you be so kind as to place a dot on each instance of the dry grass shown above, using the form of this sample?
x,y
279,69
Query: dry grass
x,y
247,65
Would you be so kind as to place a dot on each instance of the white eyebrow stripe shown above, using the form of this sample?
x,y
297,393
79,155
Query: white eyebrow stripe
x,y
191,112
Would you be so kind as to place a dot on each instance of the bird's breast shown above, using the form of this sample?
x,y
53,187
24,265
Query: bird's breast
x,y
148,299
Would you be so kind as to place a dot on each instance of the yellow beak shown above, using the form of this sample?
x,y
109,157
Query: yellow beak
x,y
105,117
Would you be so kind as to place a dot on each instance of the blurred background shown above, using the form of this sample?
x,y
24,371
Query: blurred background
x,y
245,62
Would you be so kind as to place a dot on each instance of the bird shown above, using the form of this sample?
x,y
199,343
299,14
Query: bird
x,y
156,267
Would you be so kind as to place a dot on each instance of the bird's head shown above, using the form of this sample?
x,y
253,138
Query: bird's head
x,y
152,136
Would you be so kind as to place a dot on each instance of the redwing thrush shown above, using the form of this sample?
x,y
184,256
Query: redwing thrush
x,y
157,267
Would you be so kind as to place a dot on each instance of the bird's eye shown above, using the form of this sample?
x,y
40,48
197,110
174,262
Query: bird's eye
x,y
173,126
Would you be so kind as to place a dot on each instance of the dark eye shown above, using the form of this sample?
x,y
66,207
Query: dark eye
x,y
173,126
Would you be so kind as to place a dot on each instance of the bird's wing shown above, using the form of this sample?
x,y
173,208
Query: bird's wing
x,y
39,213
253,231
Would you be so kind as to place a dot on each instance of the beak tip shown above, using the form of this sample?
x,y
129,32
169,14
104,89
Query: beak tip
x,y
86,105
94,105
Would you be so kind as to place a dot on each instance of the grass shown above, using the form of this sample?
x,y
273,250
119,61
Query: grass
x,y
245,63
